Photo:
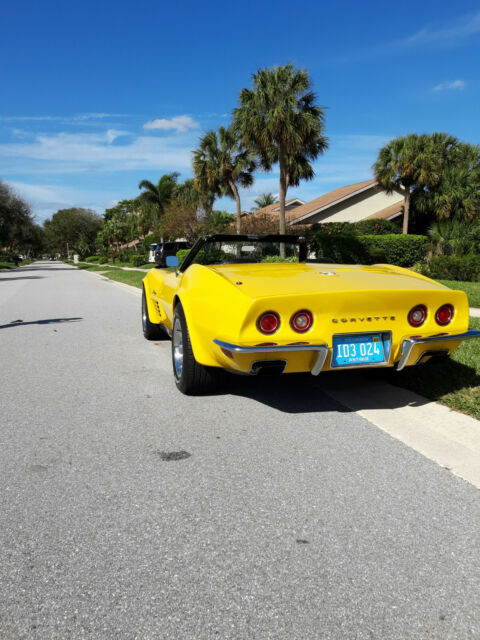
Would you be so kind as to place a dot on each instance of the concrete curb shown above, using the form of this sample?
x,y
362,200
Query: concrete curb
x,y
134,290
449,438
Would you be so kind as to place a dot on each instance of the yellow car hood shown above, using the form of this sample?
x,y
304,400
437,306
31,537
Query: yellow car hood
x,y
266,280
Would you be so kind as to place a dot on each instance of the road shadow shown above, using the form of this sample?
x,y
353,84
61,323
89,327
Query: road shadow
x,y
293,393
366,389
14,279
40,267
21,323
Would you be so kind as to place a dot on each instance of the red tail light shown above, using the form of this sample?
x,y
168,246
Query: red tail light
x,y
301,321
268,322
444,315
417,315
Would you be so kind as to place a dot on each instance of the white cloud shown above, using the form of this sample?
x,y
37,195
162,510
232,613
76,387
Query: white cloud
x,y
458,85
177,123
75,118
456,30
62,153
48,198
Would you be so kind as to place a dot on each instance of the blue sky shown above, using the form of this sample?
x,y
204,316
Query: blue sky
x,y
96,96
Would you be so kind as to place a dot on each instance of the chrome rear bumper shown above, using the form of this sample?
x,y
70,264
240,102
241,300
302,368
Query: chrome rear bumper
x,y
322,349
410,343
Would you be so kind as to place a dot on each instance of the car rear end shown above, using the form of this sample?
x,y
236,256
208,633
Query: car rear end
x,y
393,322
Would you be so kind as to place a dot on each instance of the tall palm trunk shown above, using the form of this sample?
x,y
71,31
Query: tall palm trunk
x,y
238,215
406,211
282,188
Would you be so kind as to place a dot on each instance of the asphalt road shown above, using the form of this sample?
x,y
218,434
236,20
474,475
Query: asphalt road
x,y
292,517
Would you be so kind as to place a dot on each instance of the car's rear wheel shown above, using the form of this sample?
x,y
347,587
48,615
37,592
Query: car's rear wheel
x,y
151,331
191,377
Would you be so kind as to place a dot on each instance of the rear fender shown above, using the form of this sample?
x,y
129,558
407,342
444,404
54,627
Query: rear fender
x,y
152,284
202,350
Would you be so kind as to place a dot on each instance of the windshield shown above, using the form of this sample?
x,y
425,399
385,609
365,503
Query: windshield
x,y
233,251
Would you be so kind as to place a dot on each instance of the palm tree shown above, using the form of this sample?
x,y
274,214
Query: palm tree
x,y
456,194
159,194
264,200
280,122
411,162
222,164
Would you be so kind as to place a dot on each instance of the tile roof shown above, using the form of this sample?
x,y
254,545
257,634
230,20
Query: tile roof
x,y
330,198
388,212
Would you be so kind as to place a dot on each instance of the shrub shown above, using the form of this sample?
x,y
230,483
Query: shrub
x,y
138,259
347,247
339,246
466,268
182,254
376,227
272,259
401,250
92,259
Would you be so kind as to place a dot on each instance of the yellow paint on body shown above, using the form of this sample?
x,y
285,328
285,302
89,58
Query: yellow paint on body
x,y
224,302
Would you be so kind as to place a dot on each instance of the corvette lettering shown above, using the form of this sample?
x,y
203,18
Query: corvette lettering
x,y
365,319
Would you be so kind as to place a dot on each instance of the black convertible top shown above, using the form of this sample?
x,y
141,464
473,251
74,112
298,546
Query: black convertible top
x,y
272,237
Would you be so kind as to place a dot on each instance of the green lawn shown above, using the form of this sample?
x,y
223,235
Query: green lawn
x,y
472,289
133,278
454,382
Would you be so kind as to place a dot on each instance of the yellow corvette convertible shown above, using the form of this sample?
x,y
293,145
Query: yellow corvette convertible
x,y
256,305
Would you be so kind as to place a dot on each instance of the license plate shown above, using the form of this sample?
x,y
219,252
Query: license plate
x,y
360,349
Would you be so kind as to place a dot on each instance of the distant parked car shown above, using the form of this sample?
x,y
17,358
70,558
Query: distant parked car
x,y
169,249
151,253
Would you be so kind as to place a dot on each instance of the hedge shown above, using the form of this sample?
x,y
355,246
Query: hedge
x,y
398,249
466,268
182,254
401,250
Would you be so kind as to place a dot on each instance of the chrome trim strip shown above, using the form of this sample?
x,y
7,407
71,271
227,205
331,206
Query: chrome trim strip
x,y
409,343
322,350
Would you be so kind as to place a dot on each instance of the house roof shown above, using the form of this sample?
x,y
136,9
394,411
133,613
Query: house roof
x,y
273,208
388,212
328,199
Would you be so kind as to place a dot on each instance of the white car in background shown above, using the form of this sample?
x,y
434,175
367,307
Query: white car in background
x,y
152,251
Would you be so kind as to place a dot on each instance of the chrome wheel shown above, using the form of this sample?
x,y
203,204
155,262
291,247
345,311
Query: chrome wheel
x,y
144,313
177,340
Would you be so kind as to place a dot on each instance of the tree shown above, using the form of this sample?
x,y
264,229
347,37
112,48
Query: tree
x,y
159,194
456,193
280,122
411,162
76,228
263,200
222,165
18,230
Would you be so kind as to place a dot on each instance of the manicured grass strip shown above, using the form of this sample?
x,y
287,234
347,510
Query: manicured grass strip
x,y
454,382
133,278
95,267
472,289
11,265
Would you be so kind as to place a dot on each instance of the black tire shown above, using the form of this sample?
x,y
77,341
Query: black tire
x,y
191,378
151,331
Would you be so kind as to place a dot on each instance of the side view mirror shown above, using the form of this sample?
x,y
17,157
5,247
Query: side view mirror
x,y
172,261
